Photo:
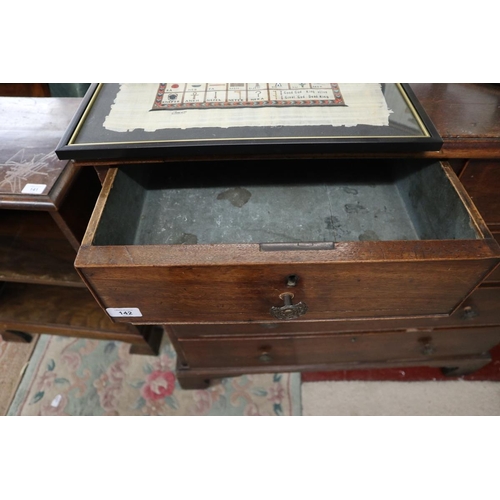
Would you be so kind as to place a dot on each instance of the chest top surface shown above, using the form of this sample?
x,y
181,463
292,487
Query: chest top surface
x,y
30,129
467,116
462,110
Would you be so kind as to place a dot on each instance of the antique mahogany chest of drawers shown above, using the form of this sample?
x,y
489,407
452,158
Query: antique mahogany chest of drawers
x,y
294,244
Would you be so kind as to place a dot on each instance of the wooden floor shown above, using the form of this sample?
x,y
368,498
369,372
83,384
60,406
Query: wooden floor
x,y
13,361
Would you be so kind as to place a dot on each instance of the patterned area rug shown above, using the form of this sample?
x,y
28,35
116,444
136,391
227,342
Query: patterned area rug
x,y
68,376
13,360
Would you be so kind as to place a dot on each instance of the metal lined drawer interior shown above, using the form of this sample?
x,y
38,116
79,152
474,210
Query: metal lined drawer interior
x,y
283,201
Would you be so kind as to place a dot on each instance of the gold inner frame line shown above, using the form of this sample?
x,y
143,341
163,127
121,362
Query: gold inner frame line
x,y
405,97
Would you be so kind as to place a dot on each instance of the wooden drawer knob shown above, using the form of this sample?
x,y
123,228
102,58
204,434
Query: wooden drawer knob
x,y
288,310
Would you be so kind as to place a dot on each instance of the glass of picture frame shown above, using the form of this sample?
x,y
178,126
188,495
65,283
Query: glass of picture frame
x,y
139,121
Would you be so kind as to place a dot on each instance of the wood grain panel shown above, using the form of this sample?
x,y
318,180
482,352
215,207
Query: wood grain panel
x,y
481,308
25,89
481,179
61,310
348,348
494,277
34,250
170,294
462,110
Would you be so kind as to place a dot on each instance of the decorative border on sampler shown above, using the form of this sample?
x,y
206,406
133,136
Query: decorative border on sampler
x,y
205,95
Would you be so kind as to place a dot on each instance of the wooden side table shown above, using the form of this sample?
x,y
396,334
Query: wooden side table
x,y
45,207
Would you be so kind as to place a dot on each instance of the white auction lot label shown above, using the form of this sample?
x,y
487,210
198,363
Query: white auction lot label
x,y
124,312
34,188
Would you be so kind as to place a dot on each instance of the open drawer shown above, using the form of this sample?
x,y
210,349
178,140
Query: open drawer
x,y
283,240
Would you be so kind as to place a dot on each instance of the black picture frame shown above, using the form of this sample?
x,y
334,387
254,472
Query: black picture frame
x,y
252,141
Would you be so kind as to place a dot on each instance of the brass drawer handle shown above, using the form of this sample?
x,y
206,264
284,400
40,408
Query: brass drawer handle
x,y
265,357
428,349
469,312
288,310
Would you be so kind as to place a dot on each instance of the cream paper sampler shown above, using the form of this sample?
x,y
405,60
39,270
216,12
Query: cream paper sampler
x,y
365,105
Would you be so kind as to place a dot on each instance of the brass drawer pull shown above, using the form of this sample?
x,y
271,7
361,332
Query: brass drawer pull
x,y
265,357
428,349
289,310
469,312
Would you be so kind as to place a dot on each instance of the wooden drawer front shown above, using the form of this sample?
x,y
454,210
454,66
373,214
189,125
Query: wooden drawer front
x,y
481,179
423,263
494,277
237,293
345,348
482,308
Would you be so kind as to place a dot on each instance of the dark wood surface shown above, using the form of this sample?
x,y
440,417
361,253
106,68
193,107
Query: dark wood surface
x,y
467,116
482,181
76,206
462,110
179,294
35,306
342,348
494,277
451,366
34,250
480,309
25,89
69,312
39,246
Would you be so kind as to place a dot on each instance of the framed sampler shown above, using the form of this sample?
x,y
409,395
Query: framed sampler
x,y
138,121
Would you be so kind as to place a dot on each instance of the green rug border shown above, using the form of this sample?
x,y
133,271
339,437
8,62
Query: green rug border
x,y
44,339
23,386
